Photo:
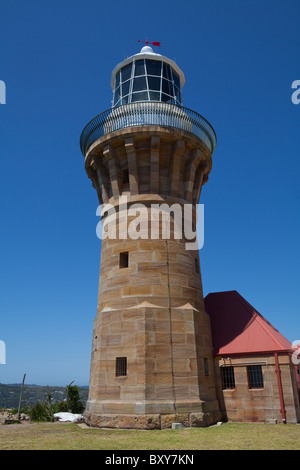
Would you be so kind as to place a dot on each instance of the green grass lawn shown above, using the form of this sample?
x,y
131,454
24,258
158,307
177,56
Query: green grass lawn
x,y
229,436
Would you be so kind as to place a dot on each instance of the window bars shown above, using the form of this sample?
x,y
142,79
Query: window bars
x,y
255,376
228,380
121,366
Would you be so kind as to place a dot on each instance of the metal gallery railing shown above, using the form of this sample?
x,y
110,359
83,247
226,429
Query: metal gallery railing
x,y
147,113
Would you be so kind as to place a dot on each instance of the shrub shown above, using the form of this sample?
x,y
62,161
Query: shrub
x,y
41,412
44,411
60,406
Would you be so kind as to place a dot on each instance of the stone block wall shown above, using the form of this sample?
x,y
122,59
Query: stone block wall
x,y
259,404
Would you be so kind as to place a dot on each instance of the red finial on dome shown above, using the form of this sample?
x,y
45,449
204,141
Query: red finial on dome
x,y
154,43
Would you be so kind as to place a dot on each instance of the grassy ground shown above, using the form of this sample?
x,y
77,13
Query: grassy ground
x,y
229,436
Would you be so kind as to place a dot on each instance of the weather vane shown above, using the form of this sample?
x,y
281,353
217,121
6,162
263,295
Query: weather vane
x,y
154,43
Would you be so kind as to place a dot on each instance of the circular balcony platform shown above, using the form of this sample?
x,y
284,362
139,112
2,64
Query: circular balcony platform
x,y
148,113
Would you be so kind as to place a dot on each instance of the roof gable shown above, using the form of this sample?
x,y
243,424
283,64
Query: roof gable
x,y
237,328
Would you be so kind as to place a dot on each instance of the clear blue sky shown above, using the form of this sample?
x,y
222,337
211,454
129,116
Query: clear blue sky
x,y
240,59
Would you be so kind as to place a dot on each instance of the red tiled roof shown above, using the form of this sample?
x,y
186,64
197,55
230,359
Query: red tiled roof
x,y
237,328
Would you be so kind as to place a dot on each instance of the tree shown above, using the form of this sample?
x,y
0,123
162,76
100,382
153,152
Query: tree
x,y
74,403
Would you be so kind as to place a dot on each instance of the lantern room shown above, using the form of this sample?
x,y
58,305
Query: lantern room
x,y
147,76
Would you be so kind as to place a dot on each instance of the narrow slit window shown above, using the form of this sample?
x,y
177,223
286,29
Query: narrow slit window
x,y
206,370
121,366
125,177
197,266
124,259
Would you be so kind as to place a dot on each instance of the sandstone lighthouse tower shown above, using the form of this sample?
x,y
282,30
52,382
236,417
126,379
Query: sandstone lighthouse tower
x,y
152,360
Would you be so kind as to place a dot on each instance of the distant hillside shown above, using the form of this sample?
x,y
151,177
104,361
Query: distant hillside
x,y
10,394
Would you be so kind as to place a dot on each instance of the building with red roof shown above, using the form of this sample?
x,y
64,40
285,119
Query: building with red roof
x,y
256,376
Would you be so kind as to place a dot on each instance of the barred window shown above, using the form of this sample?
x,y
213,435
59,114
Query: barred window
x,y
228,381
255,377
121,366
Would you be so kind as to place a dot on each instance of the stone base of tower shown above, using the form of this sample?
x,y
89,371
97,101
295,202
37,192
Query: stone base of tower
x,y
152,415
169,376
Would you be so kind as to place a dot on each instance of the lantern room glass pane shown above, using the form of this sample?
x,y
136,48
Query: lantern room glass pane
x,y
139,84
126,72
166,98
117,83
176,79
139,68
167,87
154,83
177,92
117,95
167,71
154,95
153,67
125,88
140,96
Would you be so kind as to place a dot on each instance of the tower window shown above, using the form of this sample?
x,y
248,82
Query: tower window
x,y
255,377
121,366
206,371
197,266
125,177
124,259
228,381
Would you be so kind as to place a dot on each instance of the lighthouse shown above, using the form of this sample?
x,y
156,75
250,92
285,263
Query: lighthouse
x,y
148,158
